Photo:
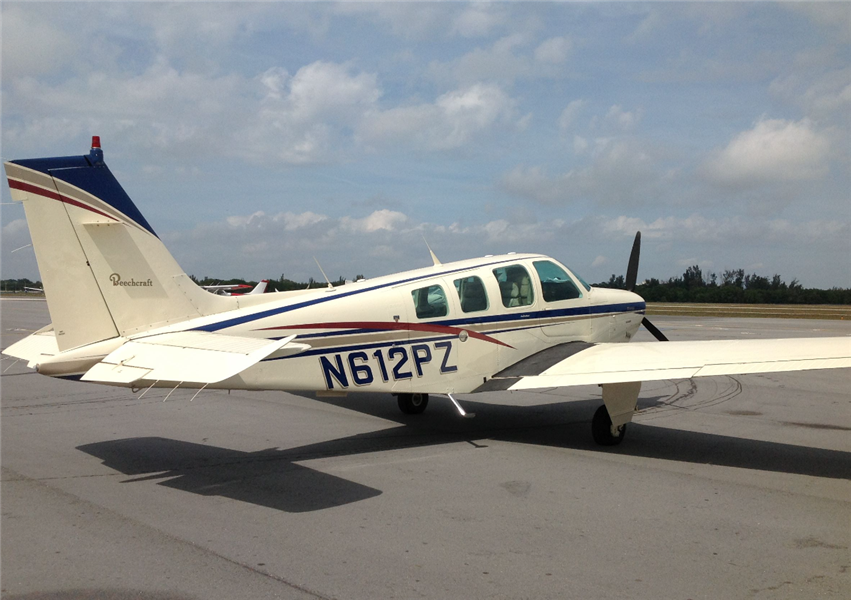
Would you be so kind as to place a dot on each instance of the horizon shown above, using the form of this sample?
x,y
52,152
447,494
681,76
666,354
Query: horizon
x,y
256,136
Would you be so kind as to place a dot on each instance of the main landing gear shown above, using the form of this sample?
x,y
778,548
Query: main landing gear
x,y
412,404
603,431
608,426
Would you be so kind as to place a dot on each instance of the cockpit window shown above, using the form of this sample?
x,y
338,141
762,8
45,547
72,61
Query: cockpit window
x,y
515,286
430,302
582,281
471,293
556,284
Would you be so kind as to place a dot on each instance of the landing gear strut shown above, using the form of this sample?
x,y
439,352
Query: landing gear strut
x,y
603,431
412,404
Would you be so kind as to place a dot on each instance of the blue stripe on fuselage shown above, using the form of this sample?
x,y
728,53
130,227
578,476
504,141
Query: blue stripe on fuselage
x,y
603,309
540,314
334,296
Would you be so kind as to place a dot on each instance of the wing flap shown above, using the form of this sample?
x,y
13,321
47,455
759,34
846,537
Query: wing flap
x,y
187,357
649,361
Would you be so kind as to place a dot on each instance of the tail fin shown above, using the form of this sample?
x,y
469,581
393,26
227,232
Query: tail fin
x,y
105,271
260,288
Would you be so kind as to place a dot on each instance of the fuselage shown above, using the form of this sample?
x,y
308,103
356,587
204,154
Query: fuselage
x,y
442,329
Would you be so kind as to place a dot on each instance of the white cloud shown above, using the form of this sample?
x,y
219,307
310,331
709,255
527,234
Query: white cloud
x,y
569,114
823,93
623,120
833,17
319,114
32,45
408,20
387,241
287,220
699,229
554,50
380,220
622,172
477,21
499,63
453,120
536,184
774,150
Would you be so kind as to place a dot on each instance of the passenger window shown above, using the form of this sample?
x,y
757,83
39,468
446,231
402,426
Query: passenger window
x,y
555,283
515,286
471,293
430,302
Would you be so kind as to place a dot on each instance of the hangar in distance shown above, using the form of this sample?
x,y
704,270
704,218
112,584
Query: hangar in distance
x,y
124,313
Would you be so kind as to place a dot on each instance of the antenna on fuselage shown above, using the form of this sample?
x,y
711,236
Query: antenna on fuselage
x,y
434,258
323,274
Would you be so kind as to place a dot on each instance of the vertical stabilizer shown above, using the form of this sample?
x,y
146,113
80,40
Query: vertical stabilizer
x,y
105,271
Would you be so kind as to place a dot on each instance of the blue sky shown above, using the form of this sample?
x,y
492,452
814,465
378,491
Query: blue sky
x,y
256,136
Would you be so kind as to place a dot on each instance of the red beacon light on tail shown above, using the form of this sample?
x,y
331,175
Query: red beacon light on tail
x,y
96,154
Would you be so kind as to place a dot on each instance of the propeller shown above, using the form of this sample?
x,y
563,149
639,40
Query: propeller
x,y
631,277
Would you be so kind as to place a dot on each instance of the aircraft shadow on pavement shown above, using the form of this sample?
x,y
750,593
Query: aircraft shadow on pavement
x,y
266,478
568,425
271,477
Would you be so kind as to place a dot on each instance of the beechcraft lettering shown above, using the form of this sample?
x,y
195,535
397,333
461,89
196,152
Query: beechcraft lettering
x,y
510,322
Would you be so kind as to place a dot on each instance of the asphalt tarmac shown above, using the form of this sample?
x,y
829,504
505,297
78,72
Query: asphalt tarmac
x,y
727,487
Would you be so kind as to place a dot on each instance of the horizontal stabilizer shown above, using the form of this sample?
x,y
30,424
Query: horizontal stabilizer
x,y
187,357
35,347
650,361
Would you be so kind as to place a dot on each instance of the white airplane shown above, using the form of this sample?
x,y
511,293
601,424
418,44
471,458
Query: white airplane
x,y
124,313
230,290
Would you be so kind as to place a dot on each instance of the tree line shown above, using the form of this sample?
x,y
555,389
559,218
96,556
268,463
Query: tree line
x,y
282,284
733,286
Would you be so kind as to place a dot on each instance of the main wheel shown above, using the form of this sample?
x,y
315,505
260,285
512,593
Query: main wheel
x,y
601,429
412,404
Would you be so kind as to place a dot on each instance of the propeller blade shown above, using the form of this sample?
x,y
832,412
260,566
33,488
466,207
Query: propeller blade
x,y
654,330
632,269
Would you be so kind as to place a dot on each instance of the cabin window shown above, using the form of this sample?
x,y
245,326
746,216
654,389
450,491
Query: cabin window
x,y
471,294
556,284
515,286
430,302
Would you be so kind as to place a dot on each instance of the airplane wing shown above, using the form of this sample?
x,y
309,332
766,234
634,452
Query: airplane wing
x,y
579,363
187,357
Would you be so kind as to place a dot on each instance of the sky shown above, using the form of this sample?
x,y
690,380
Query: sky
x,y
256,136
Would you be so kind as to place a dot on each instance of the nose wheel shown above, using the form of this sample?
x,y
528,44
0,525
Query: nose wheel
x,y
603,431
412,404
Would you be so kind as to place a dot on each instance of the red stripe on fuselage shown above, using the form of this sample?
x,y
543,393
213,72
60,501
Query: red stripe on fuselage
x,y
28,187
393,326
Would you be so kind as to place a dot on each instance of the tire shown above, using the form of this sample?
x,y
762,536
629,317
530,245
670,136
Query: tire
x,y
601,429
412,404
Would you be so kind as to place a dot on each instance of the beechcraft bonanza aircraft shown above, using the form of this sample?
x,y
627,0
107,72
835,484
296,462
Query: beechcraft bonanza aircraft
x,y
125,314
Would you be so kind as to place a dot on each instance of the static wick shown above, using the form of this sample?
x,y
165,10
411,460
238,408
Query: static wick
x,y
198,392
172,391
149,389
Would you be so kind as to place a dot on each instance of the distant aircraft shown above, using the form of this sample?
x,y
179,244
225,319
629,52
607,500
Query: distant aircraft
x,y
33,290
124,313
230,290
